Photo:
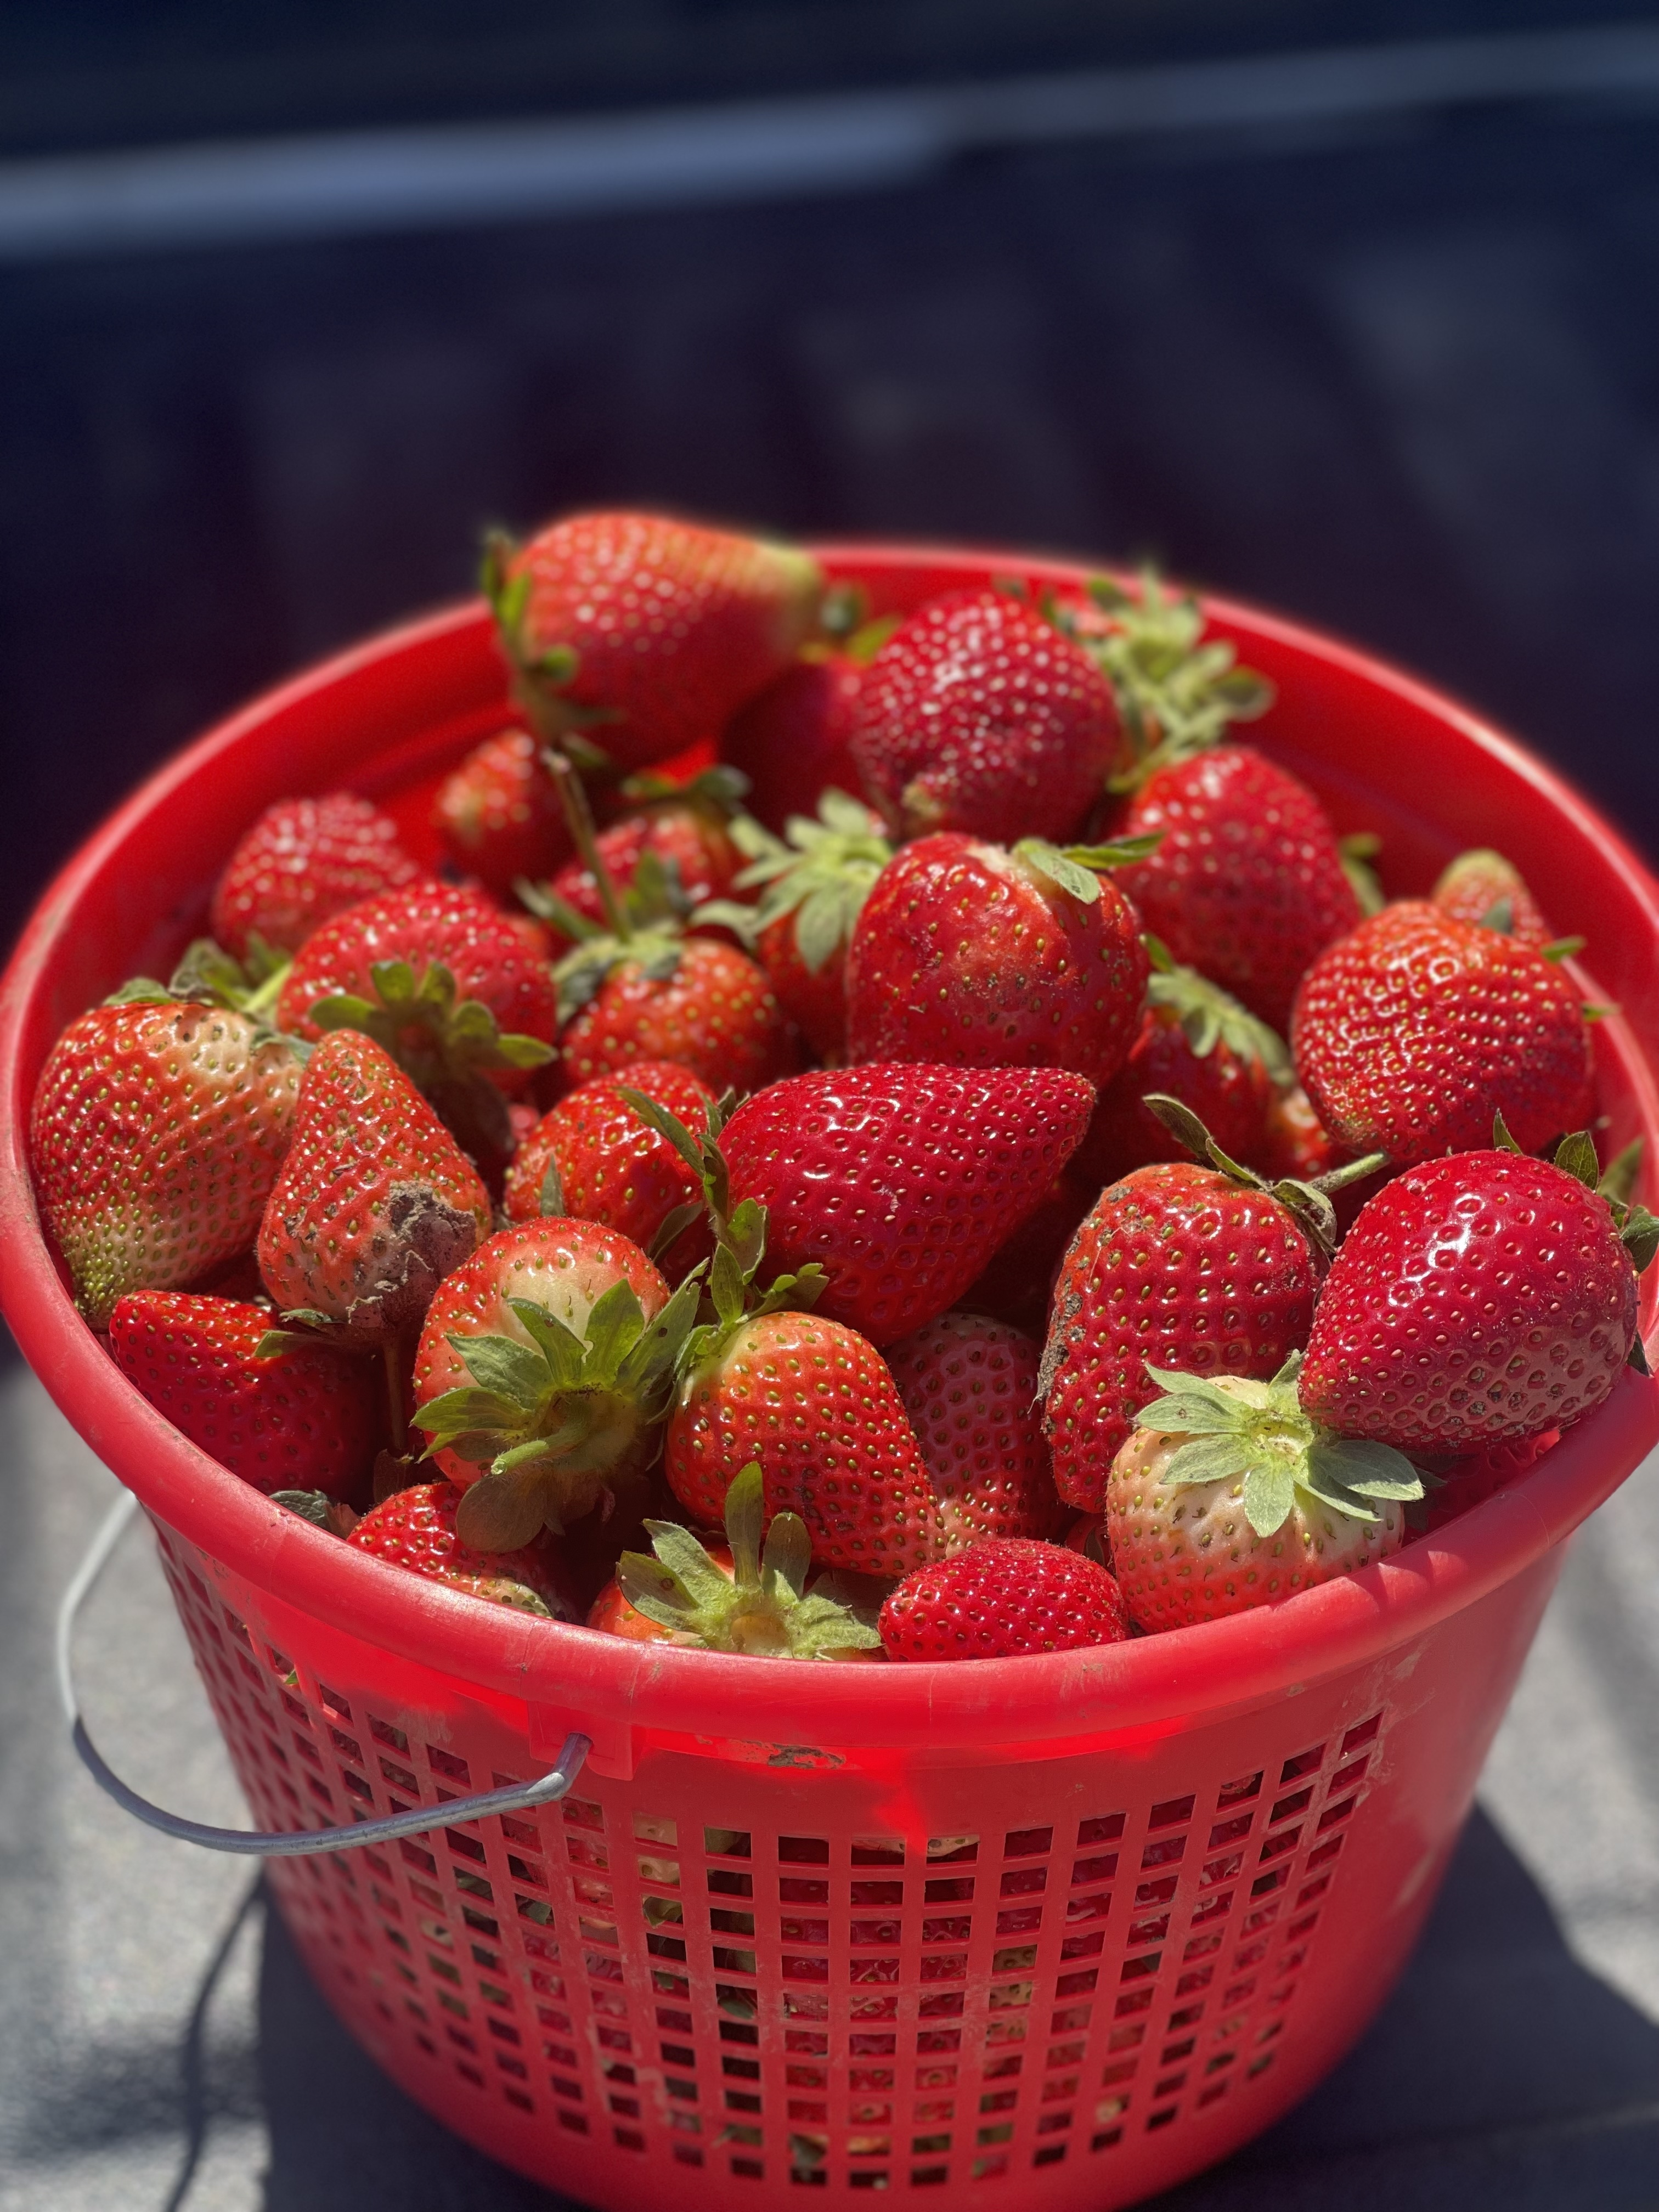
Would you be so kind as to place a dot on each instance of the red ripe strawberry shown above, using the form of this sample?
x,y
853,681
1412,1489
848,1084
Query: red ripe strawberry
x,y
1180,1266
156,1132
1246,884
792,739
593,1159
967,953
544,1369
814,1405
969,1386
1483,887
1477,1297
376,1204
1087,1535
1470,1479
1295,1141
299,1415
642,635
416,1530
1415,1030
1000,1599
687,831
901,1181
715,1013
1020,1273
1227,1496
499,814
979,715
304,860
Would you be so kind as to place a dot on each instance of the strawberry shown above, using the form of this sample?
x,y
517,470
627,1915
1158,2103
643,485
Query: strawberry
x,y
792,739
1000,1598
688,828
1206,1267
278,1410
1483,887
967,953
1087,1535
702,1004
304,860
415,1528
816,884
734,1596
543,1371
978,715
375,1203
634,637
1227,1496
1295,1142
591,1159
499,814
1478,1297
901,1180
156,1132
1416,1028
1018,1278
1472,1477
1196,1045
969,1386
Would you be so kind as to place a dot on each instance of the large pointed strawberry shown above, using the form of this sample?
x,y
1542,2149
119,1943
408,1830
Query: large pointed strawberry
x,y
1416,1028
499,815
376,1203
545,1369
979,715
304,860
790,739
1478,1297
415,1528
156,1135
281,1411
969,1386
637,636
968,953
901,1180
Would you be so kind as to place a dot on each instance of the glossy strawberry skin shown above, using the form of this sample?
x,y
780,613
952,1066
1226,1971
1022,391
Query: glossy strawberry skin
x,y
156,1135
901,1180
612,1169
1416,1030
308,1419
816,1404
969,1386
792,739
562,1265
1247,886
303,861
1231,1093
1003,1598
414,1529
691,839
499,815
978,715
1178,1265
673,626
1478,1297
966,953
716,1015
375,1203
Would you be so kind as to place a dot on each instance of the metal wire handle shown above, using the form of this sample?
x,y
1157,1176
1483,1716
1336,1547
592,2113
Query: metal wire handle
x,y
280,1842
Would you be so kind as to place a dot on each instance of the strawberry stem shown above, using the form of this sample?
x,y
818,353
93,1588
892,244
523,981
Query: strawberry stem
x,y
579,819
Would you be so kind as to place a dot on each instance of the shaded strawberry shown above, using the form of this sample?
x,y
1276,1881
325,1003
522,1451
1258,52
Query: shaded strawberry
x,y
689,830
499,815
1000,1599
1020,1273
969,1386
1469,1480
791,741
1483,887
303,861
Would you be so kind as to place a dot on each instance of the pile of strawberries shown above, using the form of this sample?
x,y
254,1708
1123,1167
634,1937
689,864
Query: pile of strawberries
x,y
919,1217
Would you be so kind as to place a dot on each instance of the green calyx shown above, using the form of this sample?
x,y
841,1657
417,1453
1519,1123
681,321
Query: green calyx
x,y
1639,1232
419,1021
731,1296
1258,1432
551,1414
1079,869
1310,1203
646,928
208,976
760,1609
1209,1015
1176,694
820,872
542,674
1356,852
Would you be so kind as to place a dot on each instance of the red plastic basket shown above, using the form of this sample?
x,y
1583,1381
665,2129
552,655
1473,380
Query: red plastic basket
x,y
1067,1928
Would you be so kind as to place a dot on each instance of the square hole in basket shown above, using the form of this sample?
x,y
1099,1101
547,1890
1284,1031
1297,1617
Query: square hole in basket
x,y
727,1842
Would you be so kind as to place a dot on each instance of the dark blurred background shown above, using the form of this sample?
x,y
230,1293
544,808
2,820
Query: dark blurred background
x,y
1349,309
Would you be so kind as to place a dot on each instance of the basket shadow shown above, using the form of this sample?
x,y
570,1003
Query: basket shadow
x,y
1501,2077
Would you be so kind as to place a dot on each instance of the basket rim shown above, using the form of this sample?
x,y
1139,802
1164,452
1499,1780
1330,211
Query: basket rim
x,y
1186,1675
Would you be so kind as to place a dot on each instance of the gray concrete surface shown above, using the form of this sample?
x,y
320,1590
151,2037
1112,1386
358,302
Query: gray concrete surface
x,y
161,2051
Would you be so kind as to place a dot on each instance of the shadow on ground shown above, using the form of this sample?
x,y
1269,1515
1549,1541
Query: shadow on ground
x,y
1501,2077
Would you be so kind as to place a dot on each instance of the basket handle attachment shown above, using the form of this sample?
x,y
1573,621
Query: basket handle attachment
x,y
280,1842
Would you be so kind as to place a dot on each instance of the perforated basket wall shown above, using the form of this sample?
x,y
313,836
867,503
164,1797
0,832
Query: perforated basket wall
x,y
753,1970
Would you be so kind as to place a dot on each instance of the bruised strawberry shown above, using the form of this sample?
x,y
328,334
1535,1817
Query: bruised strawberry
x,y
1000,1599
791,740
156,1132
303,861
639,635
970,954
416,1530
499,814
969,1386
279,1410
